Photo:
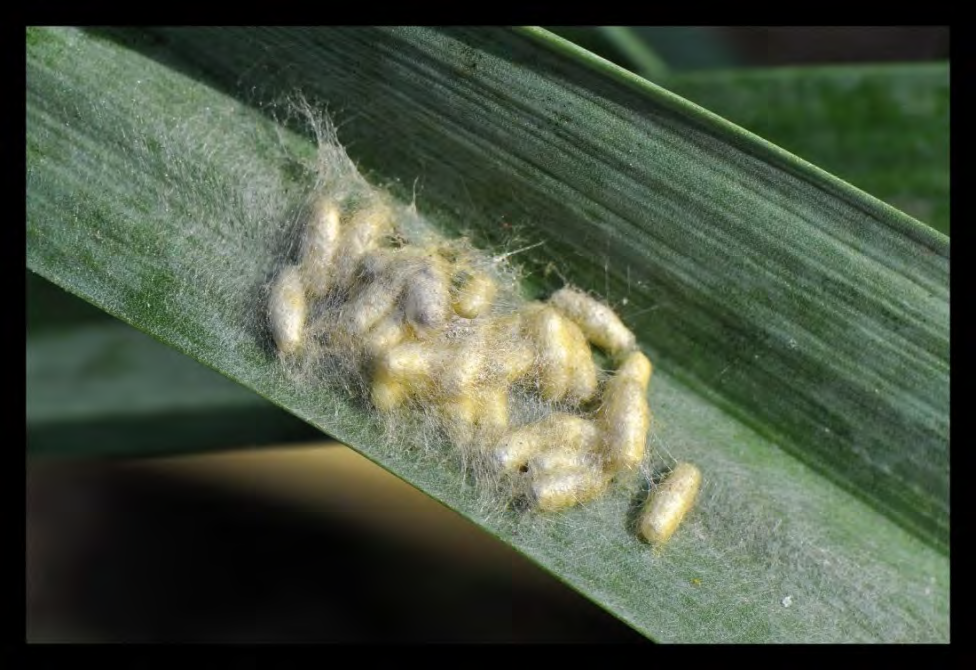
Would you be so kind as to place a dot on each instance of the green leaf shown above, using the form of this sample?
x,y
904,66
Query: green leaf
x,y
799,327
884,129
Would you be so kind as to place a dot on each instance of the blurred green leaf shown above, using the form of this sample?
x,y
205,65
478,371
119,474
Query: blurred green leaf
x,y
687,48
798,325
651,51
620,45
884,129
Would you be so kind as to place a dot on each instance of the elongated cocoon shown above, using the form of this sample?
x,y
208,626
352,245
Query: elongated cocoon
x,y
474,295
565,366
636,368
388,394
625,414
563,457
410,363
362,233
599,323
559,430
402,372
669,503
287,310
514,354
582,371
461,367
482,413
370,304
387,333
567,488
319,245
427,298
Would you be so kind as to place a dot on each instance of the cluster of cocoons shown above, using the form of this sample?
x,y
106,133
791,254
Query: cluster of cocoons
x,y
436,328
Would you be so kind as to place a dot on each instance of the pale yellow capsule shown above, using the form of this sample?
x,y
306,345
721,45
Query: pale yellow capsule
x,y
577,454
432,371
370,303
627,419
512,353
459,369
319,244
287,310
388,394
400,373
474,294
367,226
427,298
493,409
567,488
599,323
565,366
637,368
363,232
558,430
582,371
514,361
410,363
545,327
482,413
507,328
625,414
386,334
669,503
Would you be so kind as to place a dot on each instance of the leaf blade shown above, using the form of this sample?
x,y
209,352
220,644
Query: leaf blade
x,y
884,128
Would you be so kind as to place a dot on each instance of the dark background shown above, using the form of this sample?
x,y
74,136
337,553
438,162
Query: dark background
x,y
811,45
122,553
